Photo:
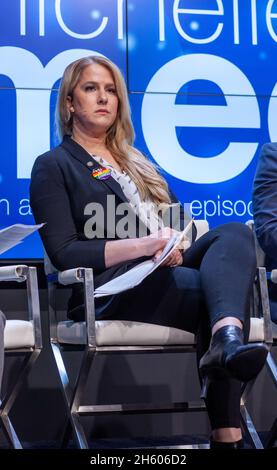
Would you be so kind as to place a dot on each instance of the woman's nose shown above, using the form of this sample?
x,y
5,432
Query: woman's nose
x,y
102,96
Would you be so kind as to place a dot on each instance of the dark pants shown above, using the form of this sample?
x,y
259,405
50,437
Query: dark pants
x,y
214,281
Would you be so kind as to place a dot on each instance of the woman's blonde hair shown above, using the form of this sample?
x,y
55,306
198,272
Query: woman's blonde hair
x,y
120,136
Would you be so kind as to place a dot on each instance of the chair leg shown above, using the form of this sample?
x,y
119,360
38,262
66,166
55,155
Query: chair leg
x,y
73,397
67,432
67,392
247,423
9,432
250,429
272,368
87,360
272,437
11,395
15,388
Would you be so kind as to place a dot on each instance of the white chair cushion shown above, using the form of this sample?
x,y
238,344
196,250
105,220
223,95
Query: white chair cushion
x,y
18,334
130,333
124,333
256,330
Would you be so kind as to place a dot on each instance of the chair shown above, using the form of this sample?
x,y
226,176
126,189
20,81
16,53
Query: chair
x,y
125,337
272,367
271,364
22,338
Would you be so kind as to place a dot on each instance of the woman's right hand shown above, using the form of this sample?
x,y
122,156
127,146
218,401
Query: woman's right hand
x,y
154,243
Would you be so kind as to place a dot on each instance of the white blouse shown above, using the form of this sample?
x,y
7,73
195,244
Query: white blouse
x,y
145,210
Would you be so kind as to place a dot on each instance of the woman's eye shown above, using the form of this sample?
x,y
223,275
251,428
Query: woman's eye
x,y
112,90
90,88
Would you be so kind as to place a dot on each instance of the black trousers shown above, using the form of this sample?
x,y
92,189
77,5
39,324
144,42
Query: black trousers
x,y
215,281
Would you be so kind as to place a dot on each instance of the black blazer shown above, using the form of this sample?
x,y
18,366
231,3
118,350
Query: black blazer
x,y
265,212
265,202
61,187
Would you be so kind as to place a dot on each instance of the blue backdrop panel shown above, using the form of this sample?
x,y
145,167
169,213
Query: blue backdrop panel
x,y
208,96
37,40
219,187
241,32
202,85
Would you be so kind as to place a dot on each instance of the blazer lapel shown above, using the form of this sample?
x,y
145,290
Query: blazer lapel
x,y
85,158
111,183
78,152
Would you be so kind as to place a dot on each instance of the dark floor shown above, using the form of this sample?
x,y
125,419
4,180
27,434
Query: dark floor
x,y
134,443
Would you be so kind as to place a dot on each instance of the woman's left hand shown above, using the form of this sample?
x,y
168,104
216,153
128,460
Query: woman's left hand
x,y
174,259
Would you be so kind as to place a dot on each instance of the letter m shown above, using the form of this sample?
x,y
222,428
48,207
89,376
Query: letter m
x,y
33,85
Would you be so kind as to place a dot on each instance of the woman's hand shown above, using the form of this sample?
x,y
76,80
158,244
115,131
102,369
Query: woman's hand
x,y
118,251
155,243
174,259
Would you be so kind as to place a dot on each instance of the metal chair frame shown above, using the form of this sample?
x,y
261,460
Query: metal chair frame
x,y
270,362
30,354
73,395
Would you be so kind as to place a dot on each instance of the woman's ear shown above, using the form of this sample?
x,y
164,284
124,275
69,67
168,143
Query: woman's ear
x,y
70,106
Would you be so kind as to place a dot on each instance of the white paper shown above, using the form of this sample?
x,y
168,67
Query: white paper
x,y
135,276
15,234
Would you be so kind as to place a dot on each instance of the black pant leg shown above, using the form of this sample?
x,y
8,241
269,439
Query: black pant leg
x,y
226,259
223,396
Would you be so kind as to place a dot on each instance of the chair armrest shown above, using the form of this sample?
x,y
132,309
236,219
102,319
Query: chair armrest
x,y
71,276
273,276
21,273
265,308
260,255
17,273
68,277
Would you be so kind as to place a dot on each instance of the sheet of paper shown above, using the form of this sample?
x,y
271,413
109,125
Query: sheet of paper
x,y
135,276
130,279
15,234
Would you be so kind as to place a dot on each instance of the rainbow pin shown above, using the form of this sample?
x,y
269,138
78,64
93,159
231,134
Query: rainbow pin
x,y
101,173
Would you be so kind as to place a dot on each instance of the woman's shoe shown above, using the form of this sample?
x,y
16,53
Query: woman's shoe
x,y
226,445
227,356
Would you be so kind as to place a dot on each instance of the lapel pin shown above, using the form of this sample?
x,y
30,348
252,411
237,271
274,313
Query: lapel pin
x,y
101,173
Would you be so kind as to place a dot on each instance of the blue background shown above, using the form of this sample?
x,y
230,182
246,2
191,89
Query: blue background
x,y
140,55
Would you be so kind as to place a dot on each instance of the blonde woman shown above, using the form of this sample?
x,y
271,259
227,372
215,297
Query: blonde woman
x,y
204,288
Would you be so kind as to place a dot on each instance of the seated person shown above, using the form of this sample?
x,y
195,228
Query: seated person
x,y
265,213
204,289
2,326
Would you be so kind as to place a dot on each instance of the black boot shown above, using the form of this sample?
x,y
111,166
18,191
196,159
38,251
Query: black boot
x,y
226,445
228,356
